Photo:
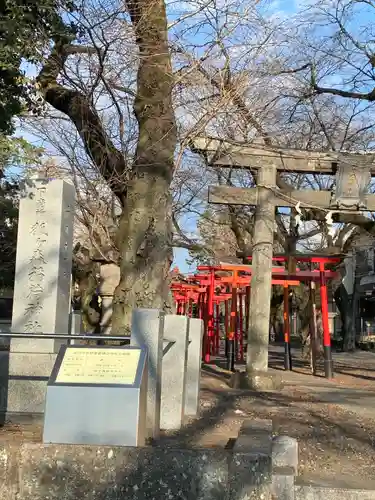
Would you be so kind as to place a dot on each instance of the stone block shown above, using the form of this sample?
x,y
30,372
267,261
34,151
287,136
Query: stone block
x,y
147,330
174,371
250,476
285,453
25,389
283,487
255,436
98,413
107,473
193,367
284,467
250,471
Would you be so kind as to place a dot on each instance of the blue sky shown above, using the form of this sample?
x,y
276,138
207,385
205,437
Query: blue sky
x,y
272,7
180,258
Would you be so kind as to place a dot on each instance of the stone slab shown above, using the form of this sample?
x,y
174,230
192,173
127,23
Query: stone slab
x,y
193,367
251,467
323,493
283,487
147,330
255,436
43,264
173,384
119,473
23,387
55,472
285,453
250,476
96,413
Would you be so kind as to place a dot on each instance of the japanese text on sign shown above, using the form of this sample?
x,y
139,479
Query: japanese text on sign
x,y
99,366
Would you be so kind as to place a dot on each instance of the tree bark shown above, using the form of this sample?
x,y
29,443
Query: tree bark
x,y
344,304
145,242
145,232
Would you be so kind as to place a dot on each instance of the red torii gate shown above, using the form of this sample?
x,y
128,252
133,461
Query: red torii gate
x,y
205,290
209,293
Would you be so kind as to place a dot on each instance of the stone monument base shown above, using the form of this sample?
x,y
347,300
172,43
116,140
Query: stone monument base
x,y
23,386
257,381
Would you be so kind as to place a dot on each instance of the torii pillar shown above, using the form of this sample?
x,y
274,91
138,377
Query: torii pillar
x,y
261,284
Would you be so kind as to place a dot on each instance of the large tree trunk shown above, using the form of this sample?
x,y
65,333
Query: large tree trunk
x,y
344,304
145,233
145,239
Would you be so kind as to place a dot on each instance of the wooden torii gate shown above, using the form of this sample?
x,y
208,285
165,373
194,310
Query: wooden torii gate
x,y
353,174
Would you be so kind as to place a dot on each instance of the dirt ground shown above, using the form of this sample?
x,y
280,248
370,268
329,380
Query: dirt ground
x,y
334,421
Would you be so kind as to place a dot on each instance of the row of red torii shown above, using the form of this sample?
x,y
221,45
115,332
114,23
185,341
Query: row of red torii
x,y
226,287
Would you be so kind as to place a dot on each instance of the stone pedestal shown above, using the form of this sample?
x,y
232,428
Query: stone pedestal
x,y
28,377
193,368
147,330
251,467
257,381
284,467
174,371
285,453
109,279
41,291
100,413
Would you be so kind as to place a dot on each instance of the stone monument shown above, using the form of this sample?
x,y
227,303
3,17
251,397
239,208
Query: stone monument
x,y
41,301
97,396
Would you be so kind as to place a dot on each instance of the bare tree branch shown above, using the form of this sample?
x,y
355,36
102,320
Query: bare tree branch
x,y
76,106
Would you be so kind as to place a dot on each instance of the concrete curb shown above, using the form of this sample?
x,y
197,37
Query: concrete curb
x,y
284,467
303,492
